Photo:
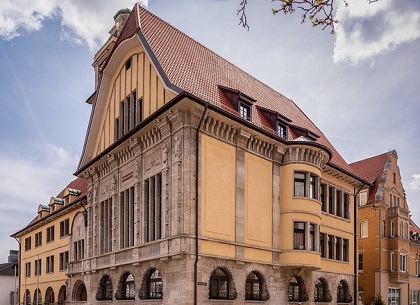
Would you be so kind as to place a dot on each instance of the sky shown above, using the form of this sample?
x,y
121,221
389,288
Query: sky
x,y
361,86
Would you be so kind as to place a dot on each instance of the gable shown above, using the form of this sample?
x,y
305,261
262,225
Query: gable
x,y
131,89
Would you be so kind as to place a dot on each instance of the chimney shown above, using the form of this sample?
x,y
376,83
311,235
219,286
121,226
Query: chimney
x,y
120,18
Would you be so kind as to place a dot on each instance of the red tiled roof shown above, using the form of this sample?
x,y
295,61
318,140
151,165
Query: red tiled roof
x,y
370,168
413,227
199,71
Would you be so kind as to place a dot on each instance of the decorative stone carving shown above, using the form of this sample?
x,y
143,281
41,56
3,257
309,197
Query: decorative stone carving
x,y
114,184
137,168
177,146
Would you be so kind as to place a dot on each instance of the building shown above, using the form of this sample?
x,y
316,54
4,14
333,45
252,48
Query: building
x,y
205,184
44,247
388,240
9,279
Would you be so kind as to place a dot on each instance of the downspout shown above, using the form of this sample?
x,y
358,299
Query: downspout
x,y
356,248
197,136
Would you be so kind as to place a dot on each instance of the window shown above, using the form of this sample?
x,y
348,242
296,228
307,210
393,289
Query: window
x,y
414,297
312,237
406,231
299,236
394,177
130,114
281,131
105,239
312,186
64,259
154,285
27,243
37,267
105,292
28,269
245,111
362,198
295,289
330,200
338,208
403,262
321,291
338,248
360,261
364,229
50,234
38,239
300,184
50,264
417,267
64,228
322,197
153,208
253,287
346,206
393,296
128,289
392,261
27,297
400,233
79,250
343,293
345,250
322,244
392,228
127,218
219,284
330,247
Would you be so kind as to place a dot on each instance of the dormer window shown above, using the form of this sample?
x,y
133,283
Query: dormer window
x,y
281,130
245,111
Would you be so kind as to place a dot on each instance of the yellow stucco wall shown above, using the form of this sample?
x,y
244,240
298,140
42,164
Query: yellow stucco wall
x,y
55,279
218,166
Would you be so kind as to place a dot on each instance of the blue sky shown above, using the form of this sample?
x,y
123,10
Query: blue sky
x,y
360,86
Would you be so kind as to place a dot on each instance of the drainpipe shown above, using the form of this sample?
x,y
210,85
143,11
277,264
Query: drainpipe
x,y
356,250
197,136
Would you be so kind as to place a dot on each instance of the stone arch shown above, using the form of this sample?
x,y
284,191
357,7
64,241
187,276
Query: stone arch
x,y
27,297
37,297
343,292
105,288
322,292
79,292
264,294
302,294
145,291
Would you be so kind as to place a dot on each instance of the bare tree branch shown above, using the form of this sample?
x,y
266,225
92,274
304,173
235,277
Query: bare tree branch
x,y
242,15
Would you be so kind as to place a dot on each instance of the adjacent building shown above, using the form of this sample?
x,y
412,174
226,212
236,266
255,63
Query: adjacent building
x,y
204,184
45,245
389,241
9,279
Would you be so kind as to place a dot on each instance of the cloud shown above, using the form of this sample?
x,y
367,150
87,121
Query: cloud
x,y
83,22
367,30
415,183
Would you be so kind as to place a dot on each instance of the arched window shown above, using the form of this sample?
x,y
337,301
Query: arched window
x,y
62,295
253,286
343,293
154,285
364,228
295,289
105,289
128,288
219,284
27,297
37,297
321,291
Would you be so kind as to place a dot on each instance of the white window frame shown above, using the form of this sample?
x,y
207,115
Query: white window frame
x,y
392,261
362,198
403,263
392,229
364,229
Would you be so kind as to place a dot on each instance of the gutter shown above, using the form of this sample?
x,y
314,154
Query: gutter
x,y
356,247
197,151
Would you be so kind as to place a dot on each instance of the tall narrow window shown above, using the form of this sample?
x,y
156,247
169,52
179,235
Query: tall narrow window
x,y
322,197
417,267
346,206
345,250
392,261
154,285
312,237
312,186
343,293
28,243
330,247
38,239
105,240
338,200
153,208
28,269
128,288
295,289
50,264
362,199
64,228
79,249
64,259
330,200
392,228
360,261
127,218
50,234
245,111
322,244
281,131
300,184
37,267
338,248
403,262
400,233
299,235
